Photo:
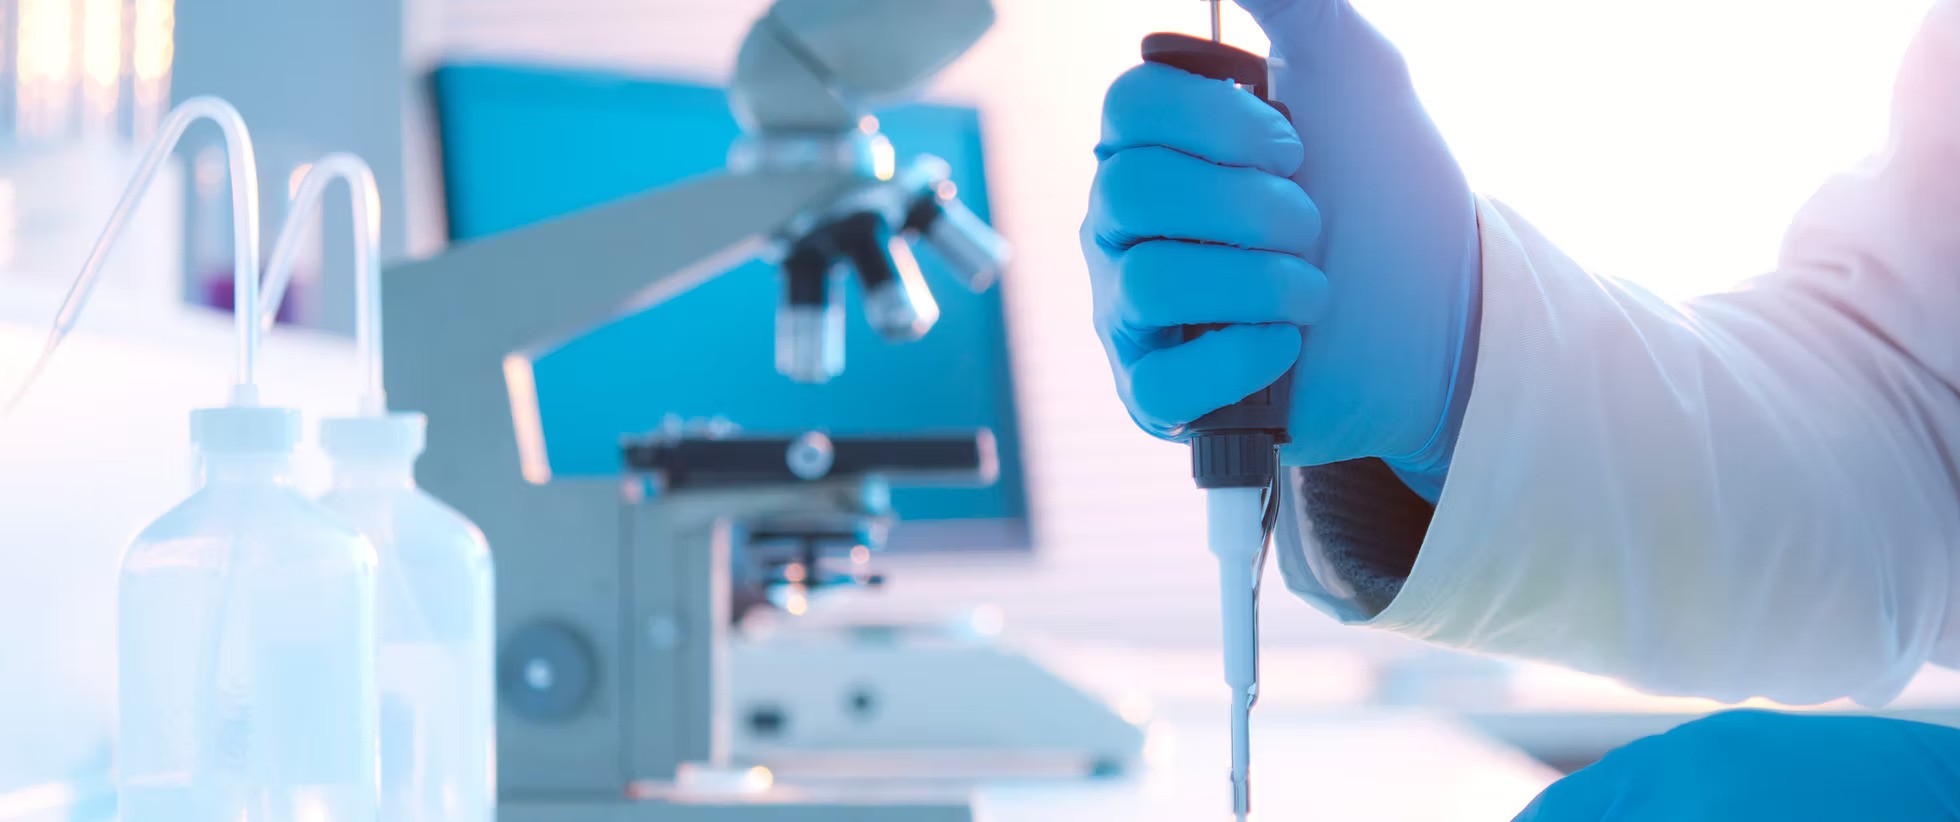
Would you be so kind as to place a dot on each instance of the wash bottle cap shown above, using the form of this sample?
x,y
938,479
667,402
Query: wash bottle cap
x,y
388,435
245,431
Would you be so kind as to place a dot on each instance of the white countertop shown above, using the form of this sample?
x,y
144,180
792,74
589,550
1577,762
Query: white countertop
x,y
1304,767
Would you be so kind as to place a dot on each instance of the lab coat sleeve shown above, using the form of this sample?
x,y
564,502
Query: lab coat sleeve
x,y
1749,494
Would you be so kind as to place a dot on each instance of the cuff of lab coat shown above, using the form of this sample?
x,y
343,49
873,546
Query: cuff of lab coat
x,y
1353,540
1350,533
1511,295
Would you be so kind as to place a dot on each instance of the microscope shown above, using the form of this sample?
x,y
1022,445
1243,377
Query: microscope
x,y
615,593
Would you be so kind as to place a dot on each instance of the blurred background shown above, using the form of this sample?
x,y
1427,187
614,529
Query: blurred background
x,y
1667,142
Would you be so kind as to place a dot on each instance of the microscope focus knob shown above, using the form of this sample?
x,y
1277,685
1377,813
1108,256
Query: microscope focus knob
x,y
546,671
811,456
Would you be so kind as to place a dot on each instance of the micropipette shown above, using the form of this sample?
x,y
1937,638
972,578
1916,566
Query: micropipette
x,y
1233,449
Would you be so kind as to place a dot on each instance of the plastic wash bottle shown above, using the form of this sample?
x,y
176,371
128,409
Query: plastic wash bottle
x,y
435,585
246,614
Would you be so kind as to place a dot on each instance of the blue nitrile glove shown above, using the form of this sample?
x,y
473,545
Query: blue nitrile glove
x,y
1762,765
1194,220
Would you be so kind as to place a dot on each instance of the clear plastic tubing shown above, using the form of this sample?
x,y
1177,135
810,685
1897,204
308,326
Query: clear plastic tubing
x,y
436,674
246,642
366,199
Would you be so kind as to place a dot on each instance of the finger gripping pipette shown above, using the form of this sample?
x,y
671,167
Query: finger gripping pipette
x,y
1233,454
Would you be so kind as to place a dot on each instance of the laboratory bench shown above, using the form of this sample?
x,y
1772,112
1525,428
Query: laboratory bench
x,y
1319,751
1378,766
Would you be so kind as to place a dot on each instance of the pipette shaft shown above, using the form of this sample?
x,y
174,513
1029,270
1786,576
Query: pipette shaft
x,y
1234,519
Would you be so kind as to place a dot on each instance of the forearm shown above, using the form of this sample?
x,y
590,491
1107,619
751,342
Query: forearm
x,y
1746,495
1751,493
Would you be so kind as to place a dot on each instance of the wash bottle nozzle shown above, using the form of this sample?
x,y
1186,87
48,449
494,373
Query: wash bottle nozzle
x,y
245,241
366,199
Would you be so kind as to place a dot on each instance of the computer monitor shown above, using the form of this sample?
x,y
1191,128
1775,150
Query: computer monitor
x,y
526,143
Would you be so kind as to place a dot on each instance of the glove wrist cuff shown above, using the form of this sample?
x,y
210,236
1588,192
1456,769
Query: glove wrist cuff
x,y
1431,462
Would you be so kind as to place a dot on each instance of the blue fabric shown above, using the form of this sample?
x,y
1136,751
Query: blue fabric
x,y
1746,765
1345,249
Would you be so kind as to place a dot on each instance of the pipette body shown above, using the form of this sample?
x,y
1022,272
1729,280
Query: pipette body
x,y
1233,449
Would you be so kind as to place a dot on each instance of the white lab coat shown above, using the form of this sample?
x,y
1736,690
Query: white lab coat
x,y
1752,493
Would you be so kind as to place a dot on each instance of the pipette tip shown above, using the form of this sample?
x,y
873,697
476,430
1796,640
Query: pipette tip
x,y
1241,754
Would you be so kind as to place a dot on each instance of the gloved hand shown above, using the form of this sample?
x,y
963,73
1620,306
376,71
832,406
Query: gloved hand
x,y
1761,765
1347,250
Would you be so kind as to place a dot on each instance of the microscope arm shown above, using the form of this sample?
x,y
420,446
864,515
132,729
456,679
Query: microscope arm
x,y
465,325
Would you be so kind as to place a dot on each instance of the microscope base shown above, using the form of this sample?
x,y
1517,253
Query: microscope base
x,y
764,807
910,702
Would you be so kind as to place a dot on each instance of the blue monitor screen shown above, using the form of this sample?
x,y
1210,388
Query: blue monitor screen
x,y
523,144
